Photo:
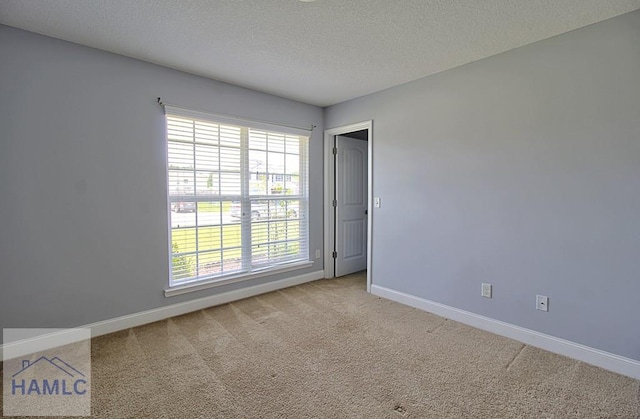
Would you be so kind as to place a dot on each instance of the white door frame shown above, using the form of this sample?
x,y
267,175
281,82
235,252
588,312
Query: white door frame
x,y
329,193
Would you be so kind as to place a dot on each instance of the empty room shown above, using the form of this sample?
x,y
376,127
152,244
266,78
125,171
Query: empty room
x,y
320,209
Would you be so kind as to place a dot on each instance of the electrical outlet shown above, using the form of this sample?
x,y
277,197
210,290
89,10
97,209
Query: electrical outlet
x,y
486,290
318,254
542,303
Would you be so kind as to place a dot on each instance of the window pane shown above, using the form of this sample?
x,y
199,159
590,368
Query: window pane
x,y
278,209
276,162
292,209
229,136
180,182
293,230
292,185
230,184
209,238
209,214
257,184
275,142
209,263
184,239
257,161
207,157
257,140
276,236
293,145
179,129
207,184
206,133
182,266
212,183
183,244
257,172
231,236
232,260
230,159
292,164
180,156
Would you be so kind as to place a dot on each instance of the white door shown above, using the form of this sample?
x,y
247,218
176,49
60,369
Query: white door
x,y
351,206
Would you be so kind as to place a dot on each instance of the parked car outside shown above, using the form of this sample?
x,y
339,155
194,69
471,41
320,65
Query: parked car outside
x,y
188,206
260,210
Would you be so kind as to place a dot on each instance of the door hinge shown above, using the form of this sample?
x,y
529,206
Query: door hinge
x,y
335,202
335,255
335,151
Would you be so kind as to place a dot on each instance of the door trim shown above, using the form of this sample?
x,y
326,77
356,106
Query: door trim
x,y
329,192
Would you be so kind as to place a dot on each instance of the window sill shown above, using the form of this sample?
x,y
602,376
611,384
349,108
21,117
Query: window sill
x,y
217,282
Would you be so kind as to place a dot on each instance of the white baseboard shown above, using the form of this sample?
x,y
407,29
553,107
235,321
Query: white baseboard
x,y
52,340
599,358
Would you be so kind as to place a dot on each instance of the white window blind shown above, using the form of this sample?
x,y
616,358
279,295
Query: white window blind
x,y
238,196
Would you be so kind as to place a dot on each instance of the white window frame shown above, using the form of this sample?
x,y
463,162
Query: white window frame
x,y
250,270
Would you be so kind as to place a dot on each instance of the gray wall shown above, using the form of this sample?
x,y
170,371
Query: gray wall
x,y
521,170
82,178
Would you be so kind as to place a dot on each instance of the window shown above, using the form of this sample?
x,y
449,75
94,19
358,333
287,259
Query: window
x,y
238,197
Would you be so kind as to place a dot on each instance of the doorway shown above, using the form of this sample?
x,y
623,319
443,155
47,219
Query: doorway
x,y
347,200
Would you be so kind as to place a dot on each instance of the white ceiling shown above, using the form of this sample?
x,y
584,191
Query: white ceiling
x,y
321,53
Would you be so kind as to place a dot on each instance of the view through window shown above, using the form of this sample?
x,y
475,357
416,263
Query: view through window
x,y
238,199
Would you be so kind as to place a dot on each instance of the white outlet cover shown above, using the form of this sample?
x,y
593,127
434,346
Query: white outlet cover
x,y
542,303
486,290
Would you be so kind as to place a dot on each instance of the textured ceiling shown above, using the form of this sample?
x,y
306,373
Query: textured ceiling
x,y
321,53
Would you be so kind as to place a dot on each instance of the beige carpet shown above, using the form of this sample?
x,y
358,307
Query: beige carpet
x,y
328,349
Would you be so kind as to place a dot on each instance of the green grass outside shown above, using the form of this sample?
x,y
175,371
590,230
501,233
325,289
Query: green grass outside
x,y
209,238
212,239
214,206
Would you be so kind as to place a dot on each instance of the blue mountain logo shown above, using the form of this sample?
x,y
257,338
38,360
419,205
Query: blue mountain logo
x,y
62,378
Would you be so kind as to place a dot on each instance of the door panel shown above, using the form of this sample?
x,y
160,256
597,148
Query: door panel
x,y
351,209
